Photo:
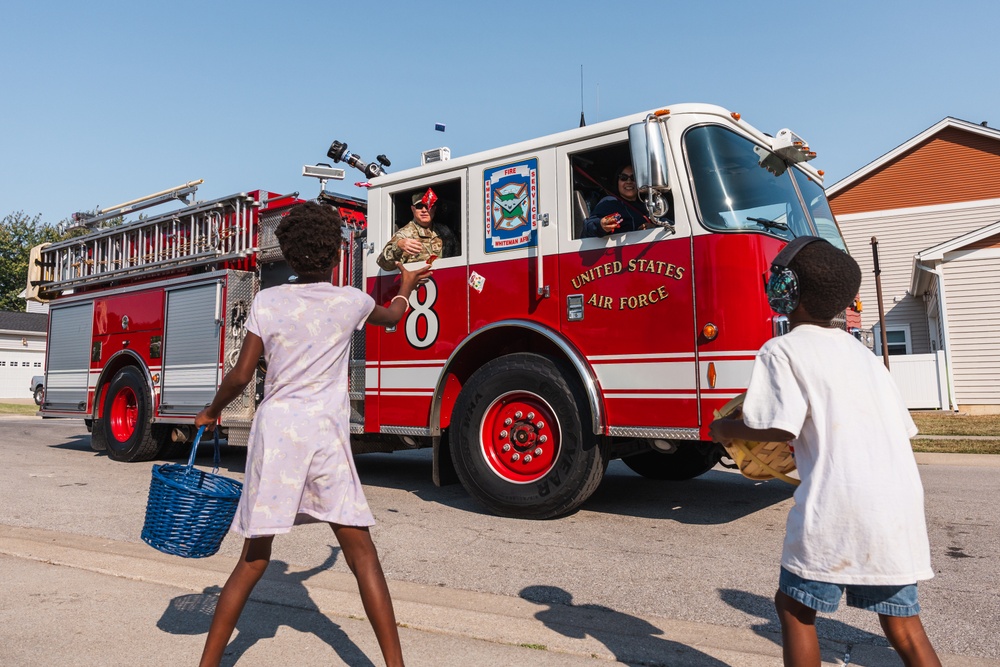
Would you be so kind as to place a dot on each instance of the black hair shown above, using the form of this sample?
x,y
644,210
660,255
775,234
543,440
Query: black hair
x,y
828,277
310,236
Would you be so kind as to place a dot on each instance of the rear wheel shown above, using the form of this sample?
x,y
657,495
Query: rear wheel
x,y
521,440
688,461
39,395
124,427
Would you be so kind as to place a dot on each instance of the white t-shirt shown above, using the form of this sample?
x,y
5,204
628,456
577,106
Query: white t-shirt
x,y
858,516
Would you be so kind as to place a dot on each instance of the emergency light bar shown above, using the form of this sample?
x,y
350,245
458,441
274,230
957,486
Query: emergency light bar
x,y
791,147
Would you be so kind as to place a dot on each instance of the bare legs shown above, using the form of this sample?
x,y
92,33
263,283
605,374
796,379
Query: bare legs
x,y
360,555
907,636
800,644
248,571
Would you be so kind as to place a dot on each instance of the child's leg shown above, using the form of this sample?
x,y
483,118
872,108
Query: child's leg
x,y
248,571
361,556
907,636
799,642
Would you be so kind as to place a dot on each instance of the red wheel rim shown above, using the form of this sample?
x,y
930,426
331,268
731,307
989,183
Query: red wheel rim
x,y
520,437
124,414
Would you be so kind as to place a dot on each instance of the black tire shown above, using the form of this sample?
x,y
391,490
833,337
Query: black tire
x,y
125,428
521,482
39,395
688,461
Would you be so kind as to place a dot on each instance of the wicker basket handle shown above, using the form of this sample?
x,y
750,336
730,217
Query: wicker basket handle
x,y
194,448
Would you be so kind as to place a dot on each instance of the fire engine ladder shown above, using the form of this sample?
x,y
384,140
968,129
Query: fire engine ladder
x,y
202,233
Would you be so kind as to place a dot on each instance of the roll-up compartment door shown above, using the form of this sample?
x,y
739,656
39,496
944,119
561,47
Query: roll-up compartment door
x,y
68,367
190,349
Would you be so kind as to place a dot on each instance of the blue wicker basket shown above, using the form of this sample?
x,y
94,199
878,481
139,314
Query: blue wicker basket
x,y
189,511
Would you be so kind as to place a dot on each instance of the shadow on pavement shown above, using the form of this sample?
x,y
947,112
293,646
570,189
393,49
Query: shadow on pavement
x,y
192,614
717,497
827,628
631,640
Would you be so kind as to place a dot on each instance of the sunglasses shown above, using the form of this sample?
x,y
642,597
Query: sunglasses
x,y
419,206
626,177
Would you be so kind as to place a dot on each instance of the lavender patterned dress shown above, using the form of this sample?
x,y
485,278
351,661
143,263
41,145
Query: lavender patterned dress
x,y
299,463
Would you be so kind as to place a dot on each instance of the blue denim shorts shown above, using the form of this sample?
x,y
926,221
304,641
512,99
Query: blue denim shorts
x,y
825,597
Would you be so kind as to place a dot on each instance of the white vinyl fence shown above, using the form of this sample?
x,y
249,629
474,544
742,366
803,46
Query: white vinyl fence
x,y
922,379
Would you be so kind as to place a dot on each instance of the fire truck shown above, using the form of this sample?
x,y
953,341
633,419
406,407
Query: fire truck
x,y
534,355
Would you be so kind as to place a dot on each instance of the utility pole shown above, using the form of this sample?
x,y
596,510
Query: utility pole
x,y
881,309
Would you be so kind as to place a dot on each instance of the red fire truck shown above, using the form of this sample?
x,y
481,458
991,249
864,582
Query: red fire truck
x,y
534,355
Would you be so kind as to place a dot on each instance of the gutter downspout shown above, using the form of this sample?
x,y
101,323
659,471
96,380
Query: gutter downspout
x,y
943,307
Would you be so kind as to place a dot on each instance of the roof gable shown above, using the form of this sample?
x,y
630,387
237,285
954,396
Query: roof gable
x,y
953,161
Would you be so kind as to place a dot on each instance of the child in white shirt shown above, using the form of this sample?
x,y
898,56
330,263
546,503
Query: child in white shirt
x,y
858,520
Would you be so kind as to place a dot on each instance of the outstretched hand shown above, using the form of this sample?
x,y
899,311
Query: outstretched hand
x,y
410,279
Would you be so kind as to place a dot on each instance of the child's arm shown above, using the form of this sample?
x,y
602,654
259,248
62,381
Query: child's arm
x,y
727,429
235,381
408,280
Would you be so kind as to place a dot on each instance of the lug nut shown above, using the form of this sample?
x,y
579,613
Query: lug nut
x,y
517,415
531,415
515,457
542,440
508,421
538,451
506,448
540,424
527,458
503,433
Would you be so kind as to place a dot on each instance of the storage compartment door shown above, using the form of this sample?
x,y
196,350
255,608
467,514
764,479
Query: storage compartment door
x,y
190,349
68,366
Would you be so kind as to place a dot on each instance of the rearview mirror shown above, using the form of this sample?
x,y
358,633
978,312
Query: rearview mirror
x,y
649,155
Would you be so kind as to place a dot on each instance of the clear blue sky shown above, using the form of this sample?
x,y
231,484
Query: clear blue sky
x,y
107,101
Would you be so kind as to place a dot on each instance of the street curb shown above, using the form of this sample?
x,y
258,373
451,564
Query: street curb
x,y
464,615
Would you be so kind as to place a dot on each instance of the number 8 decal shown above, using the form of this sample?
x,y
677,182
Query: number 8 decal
x,y
423,310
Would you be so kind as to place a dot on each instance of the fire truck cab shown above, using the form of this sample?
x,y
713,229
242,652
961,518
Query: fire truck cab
x,y
539,350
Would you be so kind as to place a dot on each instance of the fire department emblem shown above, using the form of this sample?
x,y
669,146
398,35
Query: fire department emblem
x,y
511,197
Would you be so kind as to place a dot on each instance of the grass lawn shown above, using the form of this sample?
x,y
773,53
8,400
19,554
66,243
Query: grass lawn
x,y
18,409
948,423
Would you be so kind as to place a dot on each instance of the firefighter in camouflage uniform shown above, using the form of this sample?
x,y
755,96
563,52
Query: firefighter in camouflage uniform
x,y
420,238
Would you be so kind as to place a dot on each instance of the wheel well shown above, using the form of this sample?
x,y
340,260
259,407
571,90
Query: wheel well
x,y
115,364
499,340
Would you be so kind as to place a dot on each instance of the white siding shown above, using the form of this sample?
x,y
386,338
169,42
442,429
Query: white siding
x,y
972,293
903,233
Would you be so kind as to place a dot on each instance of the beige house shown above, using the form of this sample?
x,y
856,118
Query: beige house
x,y
933,203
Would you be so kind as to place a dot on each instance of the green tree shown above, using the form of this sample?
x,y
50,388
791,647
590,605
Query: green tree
x,y
18,234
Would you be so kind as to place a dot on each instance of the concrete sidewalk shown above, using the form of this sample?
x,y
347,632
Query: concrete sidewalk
x,y
78,600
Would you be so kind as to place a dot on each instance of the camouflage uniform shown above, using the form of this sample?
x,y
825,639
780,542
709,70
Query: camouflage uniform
x,y
438,240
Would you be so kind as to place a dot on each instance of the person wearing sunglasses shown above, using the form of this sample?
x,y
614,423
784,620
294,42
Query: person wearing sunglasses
x,y
619,213
420,239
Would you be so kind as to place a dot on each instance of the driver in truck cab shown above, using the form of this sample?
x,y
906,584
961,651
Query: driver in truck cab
x,y
420,239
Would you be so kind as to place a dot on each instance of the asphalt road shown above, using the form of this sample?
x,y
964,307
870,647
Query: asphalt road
x,y
702,551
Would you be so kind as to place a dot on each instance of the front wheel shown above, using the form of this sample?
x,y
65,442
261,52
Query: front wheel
x,y
521,440
125,426
688,461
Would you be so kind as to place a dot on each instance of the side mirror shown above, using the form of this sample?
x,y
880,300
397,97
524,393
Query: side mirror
x,y
649,155
649,158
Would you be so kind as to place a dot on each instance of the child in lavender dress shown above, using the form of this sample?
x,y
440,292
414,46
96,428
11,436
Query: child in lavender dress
x,y
299,463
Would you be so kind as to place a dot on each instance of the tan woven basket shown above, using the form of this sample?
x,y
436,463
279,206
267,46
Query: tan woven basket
x,y
758,460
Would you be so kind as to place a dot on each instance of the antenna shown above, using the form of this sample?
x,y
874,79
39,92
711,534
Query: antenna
x,y
582,121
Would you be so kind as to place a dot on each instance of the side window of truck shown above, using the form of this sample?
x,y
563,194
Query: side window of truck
x,y
447,212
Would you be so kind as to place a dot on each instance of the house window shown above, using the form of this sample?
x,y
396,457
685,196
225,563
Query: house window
x,y
26,363
38,364
897,339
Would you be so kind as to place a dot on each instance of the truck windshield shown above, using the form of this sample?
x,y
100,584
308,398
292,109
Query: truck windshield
x,y
737,188
819,209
